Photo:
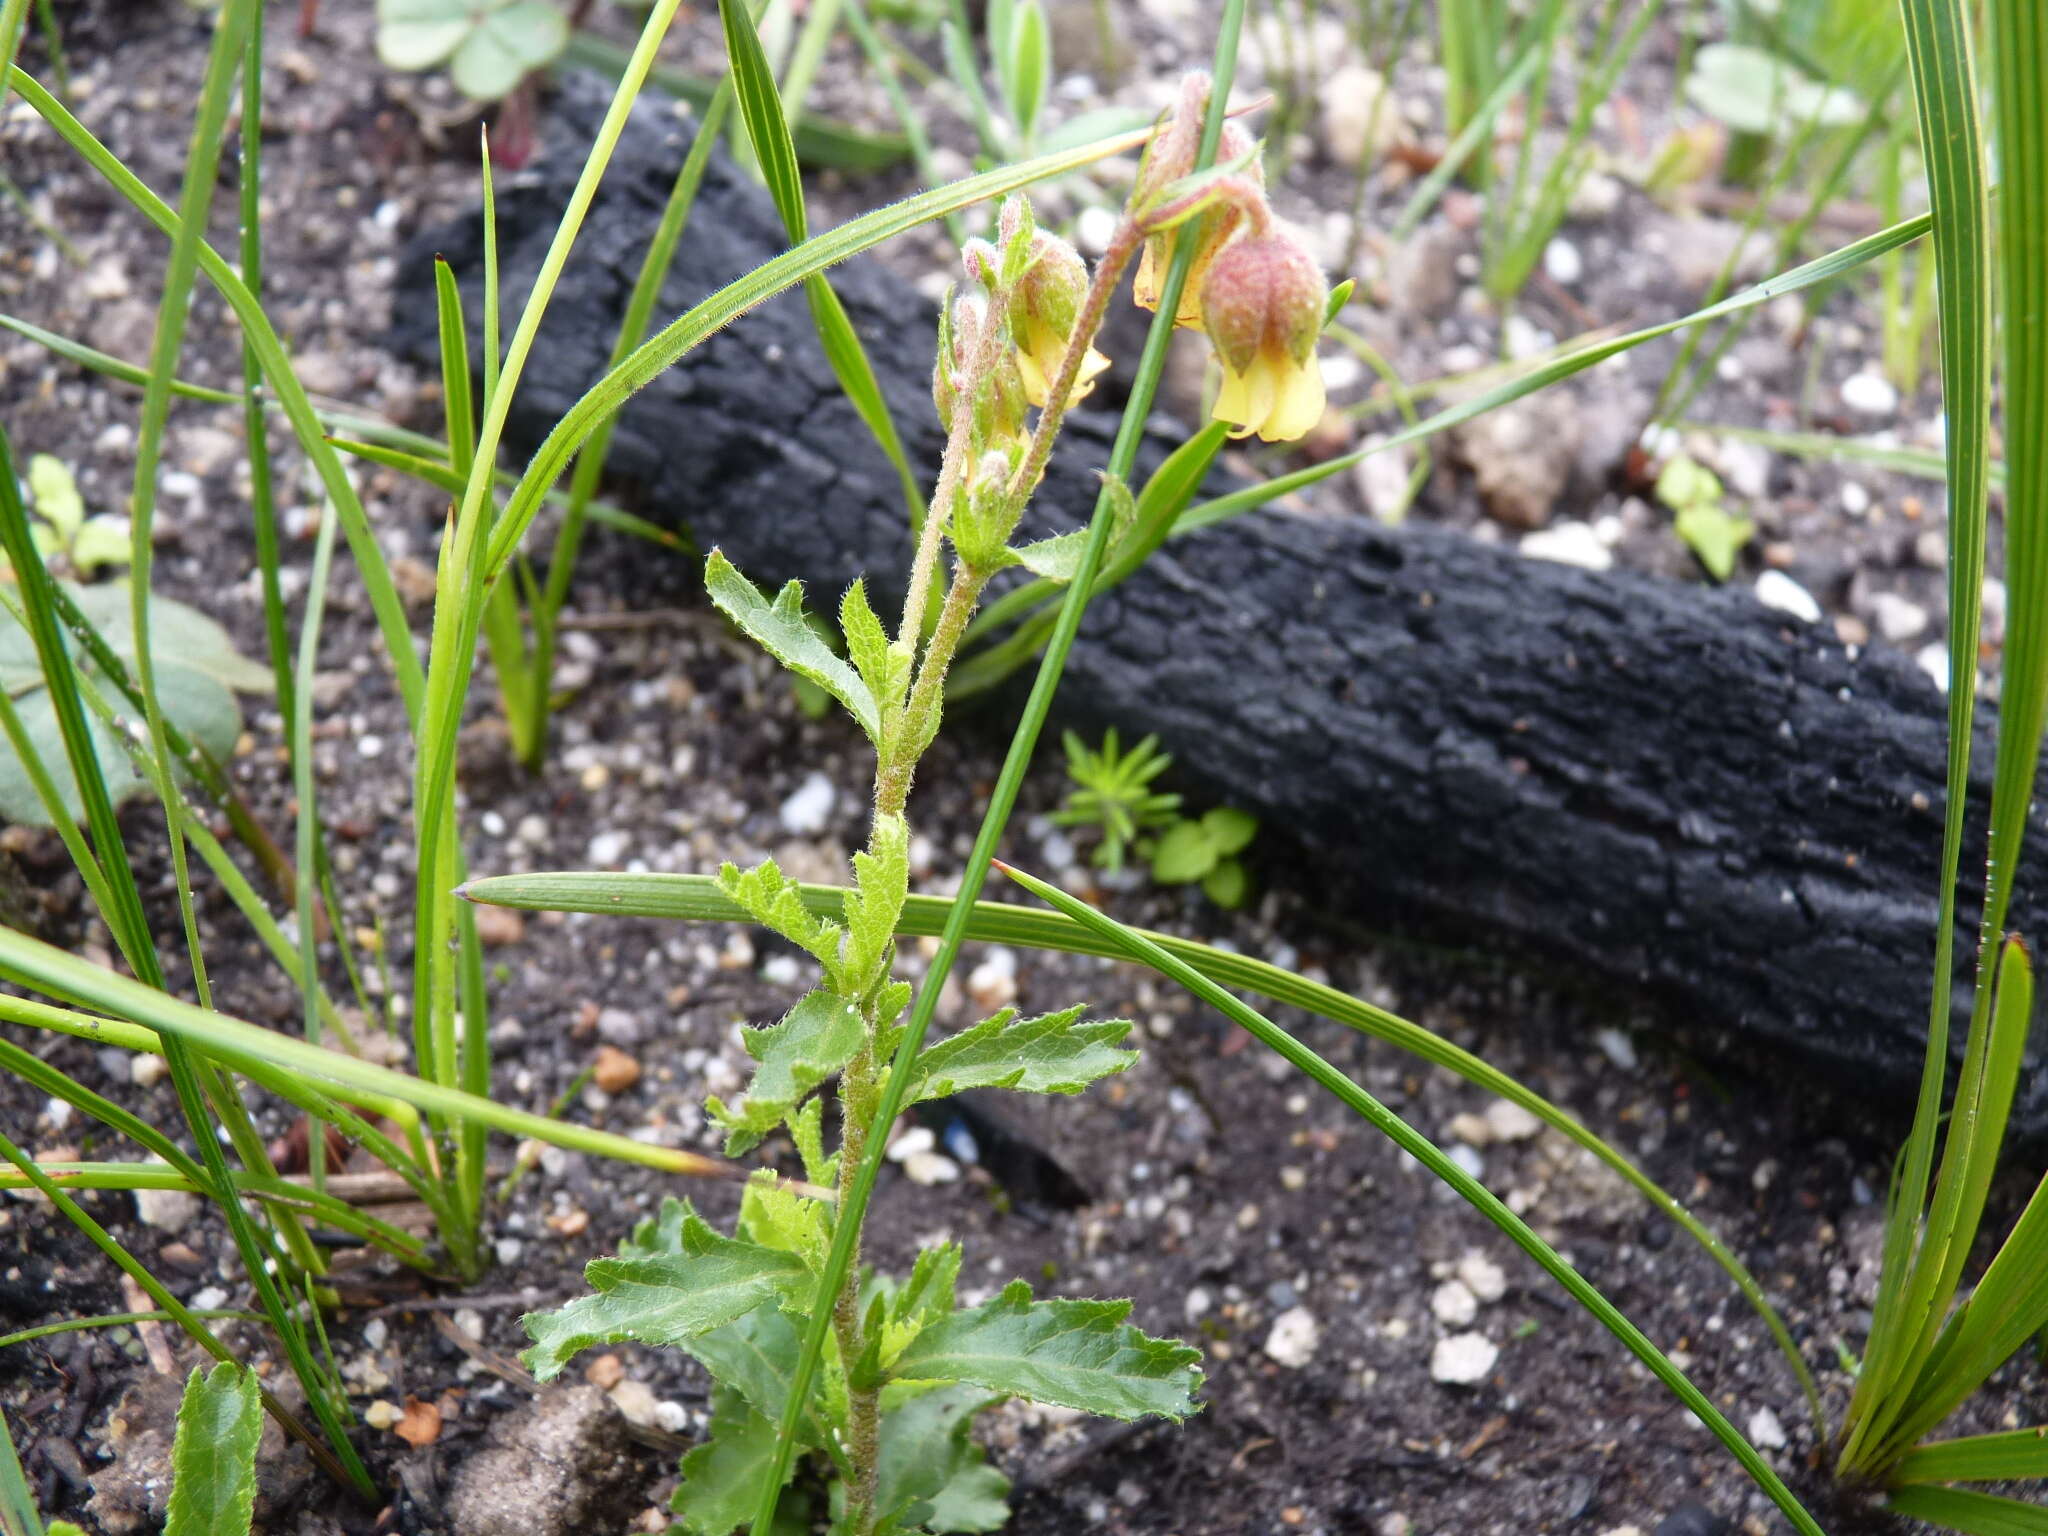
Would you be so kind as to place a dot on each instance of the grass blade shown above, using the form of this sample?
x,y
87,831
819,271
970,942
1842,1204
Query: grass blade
x,y
760,105
1424,1151
1951,133
1973,1514
2017,1453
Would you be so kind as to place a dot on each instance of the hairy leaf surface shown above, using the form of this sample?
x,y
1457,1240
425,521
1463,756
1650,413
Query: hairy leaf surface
x,y
1053,1053
666,1298
1075,1353
814,1039
780,629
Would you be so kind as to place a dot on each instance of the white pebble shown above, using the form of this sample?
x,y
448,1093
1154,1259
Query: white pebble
x,y
1295,1337
1933,660
1454,1305
1486,1280
1765,1432
146,1069
208,1299
369,746
1467,1158
635,1400
1094,229
1899,619
918,1139
780,970
1617,1047
608,848
171,1210
1511,1122
808,811
1562,262
993,983
1855,498
930,1168
1569,543
1774,589
1463,1359
1870,393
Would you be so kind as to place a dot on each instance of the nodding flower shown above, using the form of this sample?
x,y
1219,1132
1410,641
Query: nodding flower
x,y
1045,306
1170,158
1262,304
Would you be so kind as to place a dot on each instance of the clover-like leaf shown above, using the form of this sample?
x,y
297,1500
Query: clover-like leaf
x,y
489,45
1185,852
1228,829
1715,534
812,1041
1053,1053
1070,1352
54,490
706,1282
213,1454
1754,91
779,629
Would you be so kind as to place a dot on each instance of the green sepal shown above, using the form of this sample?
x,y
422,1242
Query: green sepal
x,y
705,1282
781,629
1052,1053
1071,1352
816,1038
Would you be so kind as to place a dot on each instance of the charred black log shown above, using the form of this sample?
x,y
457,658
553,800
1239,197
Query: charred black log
x,y
1669,789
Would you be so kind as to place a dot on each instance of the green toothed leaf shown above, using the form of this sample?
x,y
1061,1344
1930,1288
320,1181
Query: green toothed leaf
x,y
756,1356
776,902
780,629
883,667
722,1476
807,1130
706,1282
1053,1053
931,1475
1074,1353
881,883
213,1456
776,1216
813,1040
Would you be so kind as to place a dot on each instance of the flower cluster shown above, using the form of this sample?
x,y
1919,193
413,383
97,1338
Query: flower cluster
x,y
1252,285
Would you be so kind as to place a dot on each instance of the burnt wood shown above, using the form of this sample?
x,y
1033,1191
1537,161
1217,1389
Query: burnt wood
x,y
1671,790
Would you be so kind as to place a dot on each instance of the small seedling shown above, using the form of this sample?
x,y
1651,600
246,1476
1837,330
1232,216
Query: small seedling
x,y
1206,850
60,527
489,46
1114,794
1712,532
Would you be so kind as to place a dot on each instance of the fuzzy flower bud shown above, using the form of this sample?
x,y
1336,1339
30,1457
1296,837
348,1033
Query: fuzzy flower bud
x,y
997,399
985,512
1212,230
1262,305
1045,306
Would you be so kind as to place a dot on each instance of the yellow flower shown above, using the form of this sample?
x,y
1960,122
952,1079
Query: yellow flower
x,y
1044,309
1262,305
1218,227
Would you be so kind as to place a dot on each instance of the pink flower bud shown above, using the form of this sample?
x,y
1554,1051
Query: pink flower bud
x,y
1262,305
1044,309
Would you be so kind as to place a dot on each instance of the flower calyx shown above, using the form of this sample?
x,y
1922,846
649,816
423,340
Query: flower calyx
x,y
1263,301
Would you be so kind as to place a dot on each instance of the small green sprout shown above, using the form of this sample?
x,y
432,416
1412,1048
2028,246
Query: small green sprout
x,y
1712,532
1114,794
61,529
1206,850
